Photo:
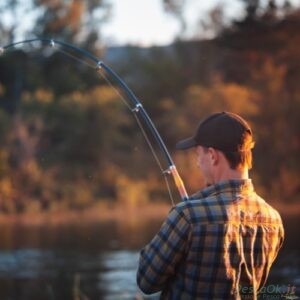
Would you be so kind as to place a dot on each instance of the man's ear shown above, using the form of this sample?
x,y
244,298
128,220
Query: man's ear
x,y
214,156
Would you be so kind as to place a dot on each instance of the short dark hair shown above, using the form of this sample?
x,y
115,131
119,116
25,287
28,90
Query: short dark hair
x,y
243,157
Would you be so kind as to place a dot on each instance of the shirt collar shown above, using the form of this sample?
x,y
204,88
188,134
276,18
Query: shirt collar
x,y
232,185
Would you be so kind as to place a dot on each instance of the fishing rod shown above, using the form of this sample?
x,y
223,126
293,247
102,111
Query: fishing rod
x,y
135,105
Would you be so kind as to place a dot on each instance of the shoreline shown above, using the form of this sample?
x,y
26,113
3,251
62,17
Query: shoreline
x,y
103,212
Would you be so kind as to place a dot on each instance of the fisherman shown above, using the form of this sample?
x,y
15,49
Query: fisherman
x,y
222,241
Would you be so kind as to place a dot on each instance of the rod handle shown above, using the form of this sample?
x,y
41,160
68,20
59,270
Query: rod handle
x,y
179,183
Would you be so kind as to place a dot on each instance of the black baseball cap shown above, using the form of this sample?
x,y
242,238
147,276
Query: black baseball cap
x,y
223,131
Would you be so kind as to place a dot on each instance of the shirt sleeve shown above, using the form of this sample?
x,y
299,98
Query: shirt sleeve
x,y
159,259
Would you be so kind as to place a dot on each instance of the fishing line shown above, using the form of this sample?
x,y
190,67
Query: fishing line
x,y
99,71
144,134
141,116
74,57
156,158
137,120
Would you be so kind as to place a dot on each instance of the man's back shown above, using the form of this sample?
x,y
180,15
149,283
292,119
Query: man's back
x,y
222,240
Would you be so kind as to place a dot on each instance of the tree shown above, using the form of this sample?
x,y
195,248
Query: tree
x,y
73,20
12,14
267,61
251,8
176,9
214,23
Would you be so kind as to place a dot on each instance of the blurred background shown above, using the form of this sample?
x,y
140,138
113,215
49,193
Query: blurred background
x,y
75,204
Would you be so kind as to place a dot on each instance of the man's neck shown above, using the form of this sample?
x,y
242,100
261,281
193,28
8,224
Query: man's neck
x,y
228,174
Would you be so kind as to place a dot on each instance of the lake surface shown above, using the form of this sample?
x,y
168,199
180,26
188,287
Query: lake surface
x,y
98,260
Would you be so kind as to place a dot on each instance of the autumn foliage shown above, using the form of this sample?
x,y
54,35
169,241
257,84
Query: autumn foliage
x,y
68,141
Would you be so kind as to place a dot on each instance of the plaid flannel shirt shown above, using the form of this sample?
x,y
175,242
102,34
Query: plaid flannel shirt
x,y
222,240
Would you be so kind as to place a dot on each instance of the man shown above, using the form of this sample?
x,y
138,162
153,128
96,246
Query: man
x,y
221,243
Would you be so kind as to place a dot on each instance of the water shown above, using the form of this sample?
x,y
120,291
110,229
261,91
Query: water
x,y
97,260
45,274
75,261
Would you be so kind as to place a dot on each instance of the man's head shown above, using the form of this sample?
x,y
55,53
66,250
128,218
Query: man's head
x,y
220,136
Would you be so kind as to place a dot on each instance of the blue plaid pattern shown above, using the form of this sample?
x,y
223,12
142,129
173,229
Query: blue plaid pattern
x,y
223,238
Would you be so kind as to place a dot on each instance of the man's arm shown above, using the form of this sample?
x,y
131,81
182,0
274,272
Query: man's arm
x,y
159,259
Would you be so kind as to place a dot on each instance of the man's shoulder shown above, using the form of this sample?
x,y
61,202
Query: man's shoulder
x,y
202,210
214,209
268,210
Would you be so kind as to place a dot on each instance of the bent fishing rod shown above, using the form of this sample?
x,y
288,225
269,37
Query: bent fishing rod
x,y
135,105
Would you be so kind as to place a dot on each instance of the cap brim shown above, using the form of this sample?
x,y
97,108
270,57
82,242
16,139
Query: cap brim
x,y
186,144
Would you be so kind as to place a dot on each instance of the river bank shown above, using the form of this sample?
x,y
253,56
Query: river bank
x,y
104,212
101,212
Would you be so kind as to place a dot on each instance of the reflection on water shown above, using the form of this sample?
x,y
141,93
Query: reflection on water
x,y
118,277
110,275
75,261
26,263
97,261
